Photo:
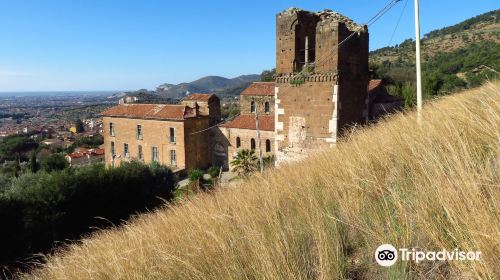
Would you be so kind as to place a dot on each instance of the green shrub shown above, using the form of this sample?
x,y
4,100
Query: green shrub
x,y
214,171
54,162
39,209
195,174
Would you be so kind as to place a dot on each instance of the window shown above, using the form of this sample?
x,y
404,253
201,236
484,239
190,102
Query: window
x,y
140,155
173,158
154,153
113,149
268,146
139,132
266,107
252,106
111,129
252,144
125,150
238,142
172,135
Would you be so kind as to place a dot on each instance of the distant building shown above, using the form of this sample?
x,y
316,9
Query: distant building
x,y
128,99
241,132
57,143
173,135
84,157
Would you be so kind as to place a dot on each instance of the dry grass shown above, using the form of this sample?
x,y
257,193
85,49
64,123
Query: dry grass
x,y
431,186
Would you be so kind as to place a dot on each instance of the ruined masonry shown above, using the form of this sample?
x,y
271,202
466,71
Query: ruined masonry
x,y
320,89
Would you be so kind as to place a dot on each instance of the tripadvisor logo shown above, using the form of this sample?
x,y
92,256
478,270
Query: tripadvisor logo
x,y
386,255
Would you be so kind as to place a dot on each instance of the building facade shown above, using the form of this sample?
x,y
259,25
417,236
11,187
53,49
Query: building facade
x,y
321,87
168,134
257,101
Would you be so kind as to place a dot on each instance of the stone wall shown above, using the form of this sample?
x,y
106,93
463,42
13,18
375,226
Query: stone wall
x,y
245,104
198,142
315,105
156,133
245,136
192,150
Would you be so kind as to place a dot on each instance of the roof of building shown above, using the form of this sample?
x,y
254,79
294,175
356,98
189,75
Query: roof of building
x,y
150,111
200,96
260,88
76,155
247,121
379,94
89,152
97,151
374,84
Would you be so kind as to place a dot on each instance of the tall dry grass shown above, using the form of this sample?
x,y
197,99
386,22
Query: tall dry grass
x,y
431,186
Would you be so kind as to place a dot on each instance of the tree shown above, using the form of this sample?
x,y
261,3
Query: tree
x,y
33,165
54,162
79,126
268,75
89,142
245,162
14,147
39,209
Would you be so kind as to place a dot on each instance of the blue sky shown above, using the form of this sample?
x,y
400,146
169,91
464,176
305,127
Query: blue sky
x,y
114,45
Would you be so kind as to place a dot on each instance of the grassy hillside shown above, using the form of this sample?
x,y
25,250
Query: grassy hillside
x,y
432,186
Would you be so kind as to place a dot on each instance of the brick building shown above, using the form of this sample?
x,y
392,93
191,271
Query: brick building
x,y
241,132
167,134
320,89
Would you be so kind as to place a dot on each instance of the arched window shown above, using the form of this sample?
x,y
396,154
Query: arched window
x,y
252,106
266,107
268,146
252,144
238,142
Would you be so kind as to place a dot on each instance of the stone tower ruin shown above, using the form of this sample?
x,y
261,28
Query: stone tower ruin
x,y
320,88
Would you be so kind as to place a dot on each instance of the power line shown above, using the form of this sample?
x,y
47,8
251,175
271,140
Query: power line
x,y
374,19
208,128
397,25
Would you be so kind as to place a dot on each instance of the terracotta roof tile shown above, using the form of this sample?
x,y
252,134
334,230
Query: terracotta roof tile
x,y
374,84
199,96
76,155
266,122
379,94
260,88
150,111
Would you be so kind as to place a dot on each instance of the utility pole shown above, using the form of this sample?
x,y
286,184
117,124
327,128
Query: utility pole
x,y
417,56
261,163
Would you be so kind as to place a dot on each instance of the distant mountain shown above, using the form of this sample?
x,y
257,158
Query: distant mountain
x,y
205,85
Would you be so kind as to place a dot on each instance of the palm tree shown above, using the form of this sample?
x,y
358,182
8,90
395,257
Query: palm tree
x,y
245,162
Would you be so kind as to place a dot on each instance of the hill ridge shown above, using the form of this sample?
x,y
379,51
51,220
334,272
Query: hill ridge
x,y
205,84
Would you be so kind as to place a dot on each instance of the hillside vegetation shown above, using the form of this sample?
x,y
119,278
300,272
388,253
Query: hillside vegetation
x,y
432,186
454,58
205,85
485,27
